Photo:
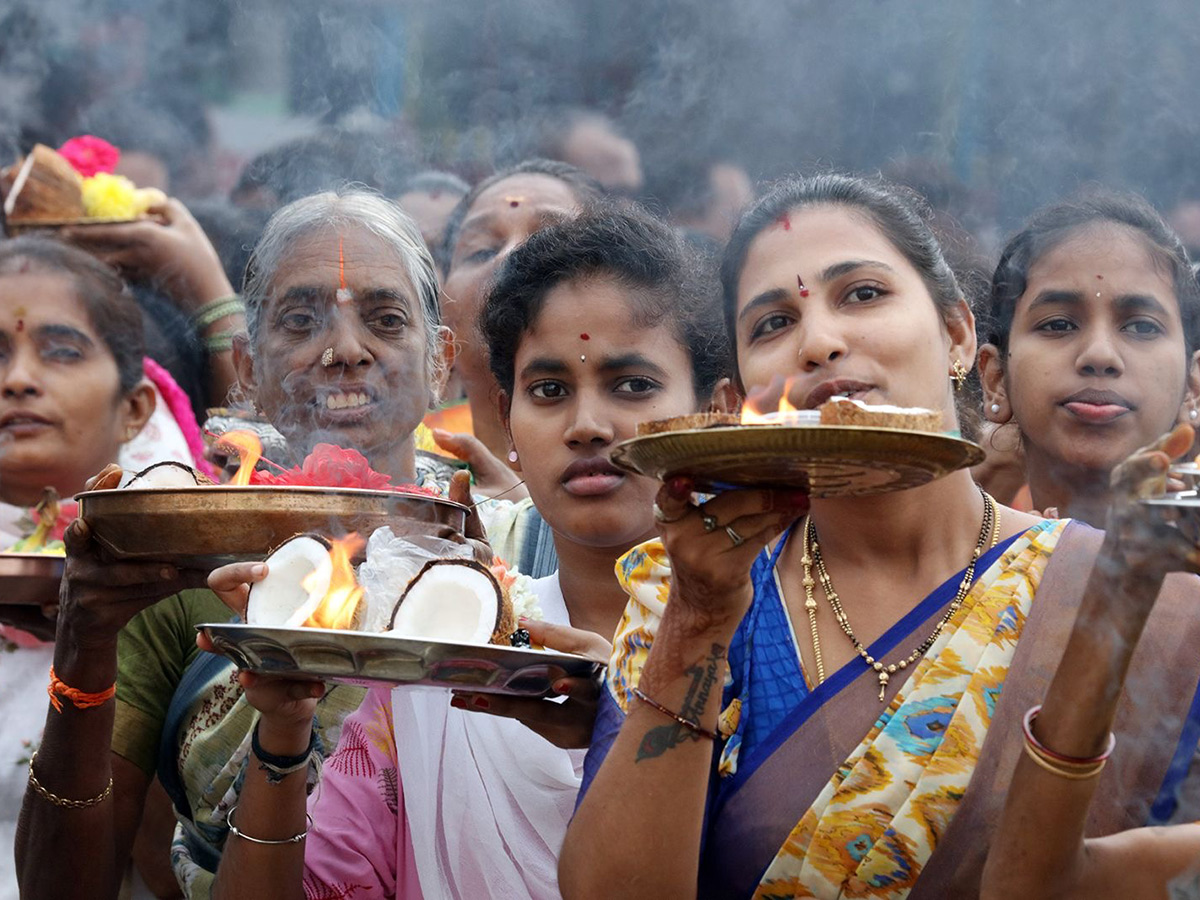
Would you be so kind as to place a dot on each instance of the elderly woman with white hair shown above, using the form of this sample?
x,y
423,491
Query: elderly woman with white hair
x,y
345,345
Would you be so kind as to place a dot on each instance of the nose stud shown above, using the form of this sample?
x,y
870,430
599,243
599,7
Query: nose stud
x,y
327,357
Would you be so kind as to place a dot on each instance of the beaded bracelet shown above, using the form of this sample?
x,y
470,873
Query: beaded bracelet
x,y
63,801
695,727
216,310
294,839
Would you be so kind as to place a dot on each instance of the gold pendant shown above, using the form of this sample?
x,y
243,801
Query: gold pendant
x,y
883,683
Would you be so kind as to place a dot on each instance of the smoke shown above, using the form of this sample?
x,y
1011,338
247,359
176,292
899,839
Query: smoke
x,y
1019,101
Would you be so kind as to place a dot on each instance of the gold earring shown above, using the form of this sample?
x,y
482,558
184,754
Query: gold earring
x,y
958,374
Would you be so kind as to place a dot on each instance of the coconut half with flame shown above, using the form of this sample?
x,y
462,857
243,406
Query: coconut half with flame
x,y
309,583
454,600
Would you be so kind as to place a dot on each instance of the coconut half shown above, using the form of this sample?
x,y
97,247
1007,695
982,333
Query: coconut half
x,y
454,600
298,576
168,474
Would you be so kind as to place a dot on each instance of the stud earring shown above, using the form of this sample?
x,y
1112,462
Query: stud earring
x,y
512,456
958,374
995,408
1193,415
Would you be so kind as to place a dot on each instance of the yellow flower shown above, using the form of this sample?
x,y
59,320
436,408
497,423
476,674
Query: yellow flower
x,y
108,196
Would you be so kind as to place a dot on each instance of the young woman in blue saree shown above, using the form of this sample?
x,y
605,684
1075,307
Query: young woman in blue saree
x,y
848,721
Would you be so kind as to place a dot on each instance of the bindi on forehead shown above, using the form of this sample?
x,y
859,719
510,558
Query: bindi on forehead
x,y
785,221
514,202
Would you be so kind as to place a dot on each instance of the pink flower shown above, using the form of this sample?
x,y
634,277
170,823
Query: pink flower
x,y
89,154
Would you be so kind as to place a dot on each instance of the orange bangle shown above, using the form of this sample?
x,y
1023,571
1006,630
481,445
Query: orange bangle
x,y
79,699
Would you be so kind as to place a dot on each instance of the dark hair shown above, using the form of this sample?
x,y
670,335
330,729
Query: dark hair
x,y
110,307
1052,225
898,212
583,187
623,242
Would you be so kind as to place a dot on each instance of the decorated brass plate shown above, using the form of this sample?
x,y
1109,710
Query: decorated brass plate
x,y
217,524
824,460
29,578
360,658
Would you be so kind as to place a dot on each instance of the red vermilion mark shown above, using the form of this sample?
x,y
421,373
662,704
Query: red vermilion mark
x,y
803,289
785,220
514,201
20,324
585,337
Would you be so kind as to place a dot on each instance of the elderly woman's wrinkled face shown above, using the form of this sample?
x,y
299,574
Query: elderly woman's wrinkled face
x,y
342,352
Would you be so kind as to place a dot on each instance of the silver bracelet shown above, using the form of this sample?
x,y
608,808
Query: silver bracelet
x,y
294,839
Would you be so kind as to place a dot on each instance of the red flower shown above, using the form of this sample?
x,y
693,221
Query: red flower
x,y
331,466
89,154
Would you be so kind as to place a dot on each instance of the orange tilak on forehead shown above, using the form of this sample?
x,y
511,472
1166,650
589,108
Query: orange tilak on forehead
x,y
344,294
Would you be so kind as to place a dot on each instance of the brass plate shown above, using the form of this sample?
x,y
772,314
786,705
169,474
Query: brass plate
x,y
218,524
29,579
359,658
824,460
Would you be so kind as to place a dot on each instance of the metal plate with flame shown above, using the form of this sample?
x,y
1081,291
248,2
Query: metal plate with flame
x,y
356,657
824,460
221,523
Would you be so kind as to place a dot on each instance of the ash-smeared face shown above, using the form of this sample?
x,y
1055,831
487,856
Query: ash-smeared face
x,y
342,354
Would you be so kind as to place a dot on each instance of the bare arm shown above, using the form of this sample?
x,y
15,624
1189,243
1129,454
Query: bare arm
x,y
173,253
1039,850
74,761
646,805
269,812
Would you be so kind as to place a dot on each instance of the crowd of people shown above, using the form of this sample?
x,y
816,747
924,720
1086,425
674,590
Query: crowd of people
x,y
1001,696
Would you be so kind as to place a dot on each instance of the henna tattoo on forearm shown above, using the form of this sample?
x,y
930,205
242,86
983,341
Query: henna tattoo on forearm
x,y
704,675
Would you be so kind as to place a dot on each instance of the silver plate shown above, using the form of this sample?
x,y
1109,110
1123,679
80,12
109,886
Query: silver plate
x,y
360,658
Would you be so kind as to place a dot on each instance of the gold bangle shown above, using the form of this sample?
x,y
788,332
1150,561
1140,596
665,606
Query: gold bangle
x,y
1054,769
62,801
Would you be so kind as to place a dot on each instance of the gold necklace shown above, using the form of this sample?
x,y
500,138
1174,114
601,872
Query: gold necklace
x,y
812,556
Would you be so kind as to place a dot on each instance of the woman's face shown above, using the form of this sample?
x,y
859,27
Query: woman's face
x,y
1096,366
826,299
62,415
586,374
353,371
499,220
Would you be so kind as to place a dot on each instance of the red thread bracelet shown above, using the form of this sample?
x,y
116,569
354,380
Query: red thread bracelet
x,y
79,699
1078,761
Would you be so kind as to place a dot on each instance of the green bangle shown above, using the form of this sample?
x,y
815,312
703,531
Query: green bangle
x,y
216,310
219,343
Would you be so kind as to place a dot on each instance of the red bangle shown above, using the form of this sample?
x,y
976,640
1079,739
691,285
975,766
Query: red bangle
x,y
79,699
1079,761
686,723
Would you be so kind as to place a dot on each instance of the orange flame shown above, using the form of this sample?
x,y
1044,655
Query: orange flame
x,y
248,447
338,606
752,414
